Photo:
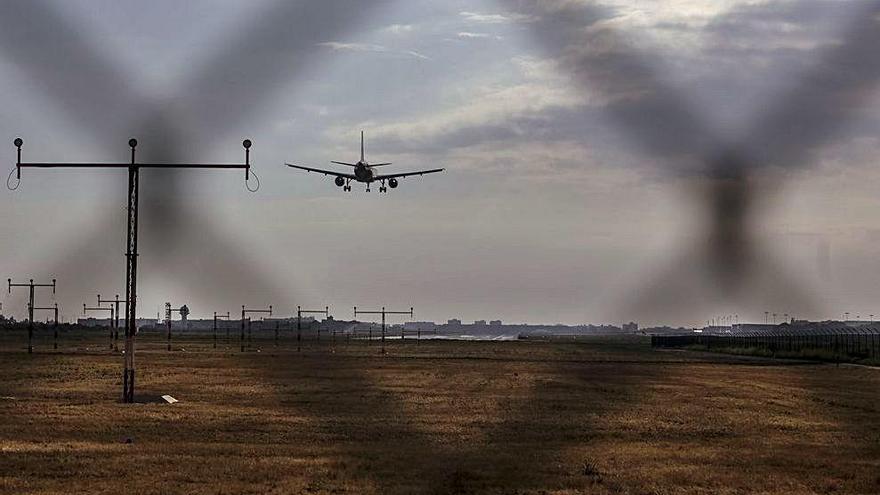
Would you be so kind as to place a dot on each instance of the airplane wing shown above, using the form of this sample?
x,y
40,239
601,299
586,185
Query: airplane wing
x,y
408,174
325,172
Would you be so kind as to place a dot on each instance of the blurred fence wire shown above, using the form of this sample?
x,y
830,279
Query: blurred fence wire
x,y
60,59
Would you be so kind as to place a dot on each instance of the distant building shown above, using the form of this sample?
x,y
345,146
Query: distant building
x,y
105,322
495,323
454,322
291,320
631,327
93,322
419,325
480,323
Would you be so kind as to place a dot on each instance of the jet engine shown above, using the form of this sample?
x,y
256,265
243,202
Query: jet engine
x,y
392,183
340,181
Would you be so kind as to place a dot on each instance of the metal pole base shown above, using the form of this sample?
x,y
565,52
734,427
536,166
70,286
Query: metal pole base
x,y
128,387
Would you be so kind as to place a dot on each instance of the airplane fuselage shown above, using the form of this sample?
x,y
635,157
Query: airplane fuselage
x,y
363,172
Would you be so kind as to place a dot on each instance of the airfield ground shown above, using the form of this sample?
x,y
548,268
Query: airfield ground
x,y
597,416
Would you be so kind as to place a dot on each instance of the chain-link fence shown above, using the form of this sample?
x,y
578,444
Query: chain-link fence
x,y
828,340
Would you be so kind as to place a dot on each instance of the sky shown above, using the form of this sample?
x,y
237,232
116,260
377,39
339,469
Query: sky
x,y
586,144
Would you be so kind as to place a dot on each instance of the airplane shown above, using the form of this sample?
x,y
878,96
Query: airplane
x,y
364,172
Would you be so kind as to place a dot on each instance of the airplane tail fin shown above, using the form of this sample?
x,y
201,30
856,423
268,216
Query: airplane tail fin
x,y
362,145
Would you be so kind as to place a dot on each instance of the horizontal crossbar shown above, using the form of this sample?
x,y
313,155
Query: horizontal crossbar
x,y
381,312
230,166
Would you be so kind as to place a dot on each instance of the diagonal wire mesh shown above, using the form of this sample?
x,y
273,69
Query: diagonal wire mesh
x,y
729,173
76,78
228,87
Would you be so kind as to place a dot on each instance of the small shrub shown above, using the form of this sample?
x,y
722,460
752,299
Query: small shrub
x,y
591,470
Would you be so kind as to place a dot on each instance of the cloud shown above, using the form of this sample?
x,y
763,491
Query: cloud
x,y
399,29
371,48
525,108
484,18
470,35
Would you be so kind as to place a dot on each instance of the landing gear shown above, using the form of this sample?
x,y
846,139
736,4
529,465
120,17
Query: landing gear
x,y
382,188
347,186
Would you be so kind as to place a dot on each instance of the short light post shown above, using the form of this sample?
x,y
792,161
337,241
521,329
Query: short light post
x,y
244,313
110,322
31,286
383,312
116,303
299,313
216,317
54,309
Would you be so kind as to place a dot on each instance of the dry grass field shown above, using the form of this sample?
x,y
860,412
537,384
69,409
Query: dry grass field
x,y
596,416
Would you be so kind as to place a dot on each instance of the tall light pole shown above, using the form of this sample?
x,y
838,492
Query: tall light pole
x,y
131,251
